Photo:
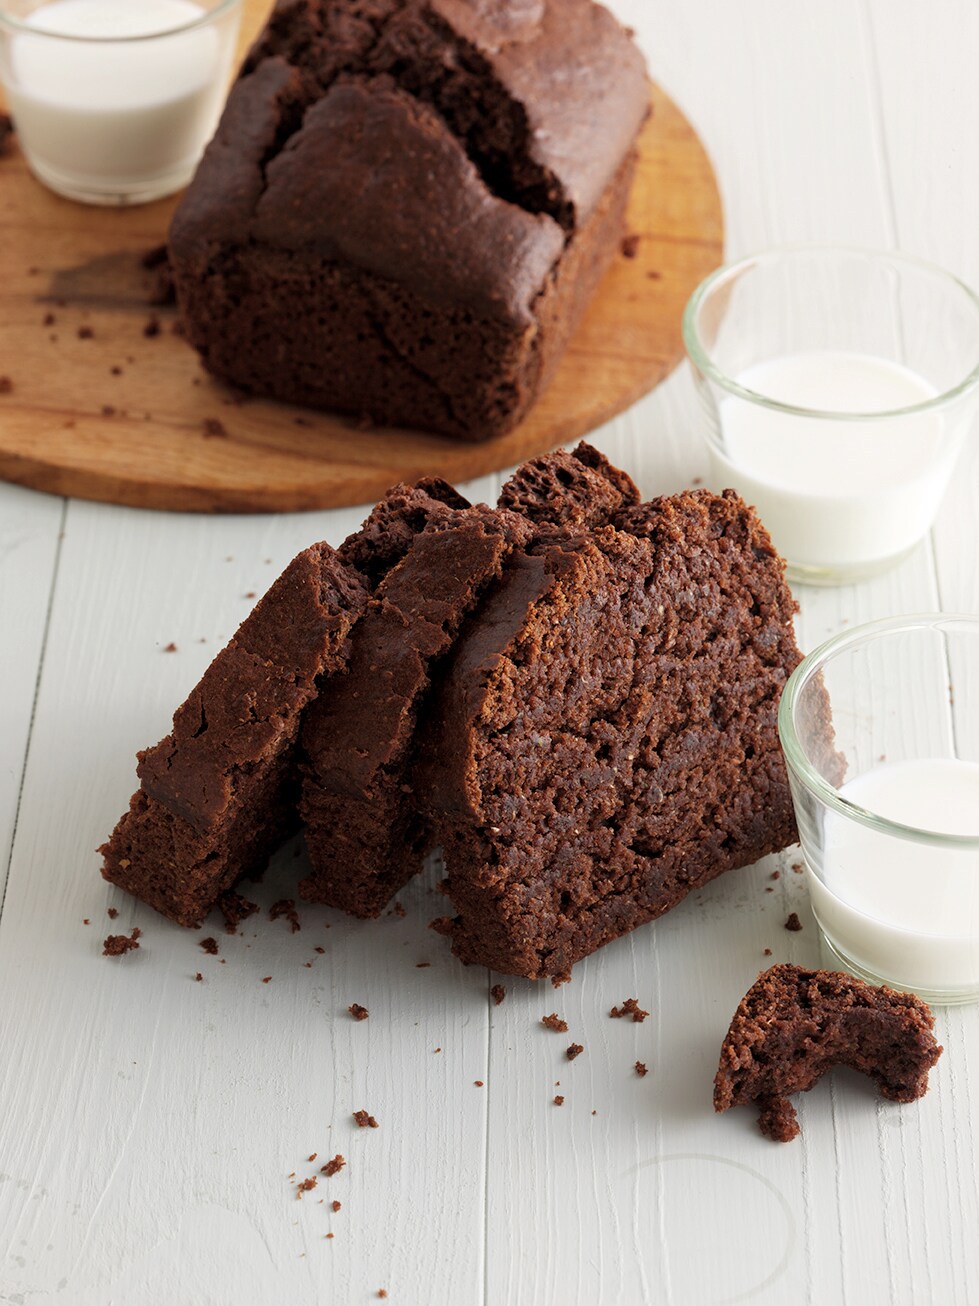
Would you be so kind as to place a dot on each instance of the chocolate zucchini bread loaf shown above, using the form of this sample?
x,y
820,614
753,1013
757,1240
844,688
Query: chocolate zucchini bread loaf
x,y
218,794
408,204
795,1025
604,738
364,830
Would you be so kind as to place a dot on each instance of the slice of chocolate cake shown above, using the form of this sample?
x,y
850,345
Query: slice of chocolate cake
x,y
218,794
604,738
357,803
795,1025
364,831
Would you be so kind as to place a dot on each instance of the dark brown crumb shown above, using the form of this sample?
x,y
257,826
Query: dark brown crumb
x,y
6,131
112,912
630,246
498,993
199,977
399,910
311,1157
631,1008
210,946
357,1011
152,327
285,907
335,1206
6,385
554,1022
641,1069
85,333
767,952
170,648
214,429
49,319
333,1167
266,979
305,1186
769,889
320,950
478,1083
438,1049
108,410
328,1235
115,945
115,371
793,923
558,1100
382,1292
235,909
797,867
575,1050
86,921
364,1120
422,965
251,595
776,875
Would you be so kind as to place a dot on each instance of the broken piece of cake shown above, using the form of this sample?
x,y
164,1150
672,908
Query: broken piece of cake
x,y
794,1025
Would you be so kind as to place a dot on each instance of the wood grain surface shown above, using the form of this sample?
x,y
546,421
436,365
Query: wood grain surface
x,y
101,410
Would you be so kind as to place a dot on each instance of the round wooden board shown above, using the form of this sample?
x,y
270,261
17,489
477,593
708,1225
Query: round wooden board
x,y
102,410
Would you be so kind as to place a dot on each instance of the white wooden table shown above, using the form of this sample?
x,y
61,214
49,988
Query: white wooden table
x,y
149,1124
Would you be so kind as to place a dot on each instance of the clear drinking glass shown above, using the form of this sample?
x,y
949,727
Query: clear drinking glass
x,y
114,100
837,386
889,816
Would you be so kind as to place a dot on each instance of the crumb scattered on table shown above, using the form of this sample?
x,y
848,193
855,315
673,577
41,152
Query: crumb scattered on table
x,y
422,965
365,1121
311,1157
767,952
575,1050
497,993
558,1100
214,429
170,648
357,1011
305,1186
642,1070
478,1083
335,1206
112,912
6,385
333,1167
199,977
793,923
631,1008
630,246
85,333
285,907
115,945
266,979
210,946
554,1022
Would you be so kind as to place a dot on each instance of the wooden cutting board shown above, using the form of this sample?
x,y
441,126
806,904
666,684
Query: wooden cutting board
x,y
103,405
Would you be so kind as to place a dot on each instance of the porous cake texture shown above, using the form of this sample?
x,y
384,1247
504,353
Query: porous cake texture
x,y
409,203
604,737
794,1025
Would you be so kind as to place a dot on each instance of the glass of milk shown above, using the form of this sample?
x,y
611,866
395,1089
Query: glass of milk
x,y
837,387
888,813
114,100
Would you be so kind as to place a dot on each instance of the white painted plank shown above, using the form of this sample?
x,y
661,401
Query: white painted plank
x,y
29,529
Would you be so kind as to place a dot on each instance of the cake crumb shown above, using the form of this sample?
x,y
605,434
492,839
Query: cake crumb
x,y
6,131
285,907
357,1011
199,978
311,1157
328,1235
630,246
112,912
305,1186
575,1050
152,327
116,945
85,333
776,875
641,1069
793,923
498,993
399,910
6,385
333,1167
797,868
478,1083
214,429
631,1008
558,1099
422,965
767,952
382,1292
210,946
320,950
170,648
266,979
554,1022
235,909
365,1121
336,1206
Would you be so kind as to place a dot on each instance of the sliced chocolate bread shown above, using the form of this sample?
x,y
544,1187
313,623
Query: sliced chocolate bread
x,y
795,1025
218,794
604,738
364,831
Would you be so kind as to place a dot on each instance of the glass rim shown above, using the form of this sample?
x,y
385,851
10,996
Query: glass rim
x,y
702,360
795,754
13,24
